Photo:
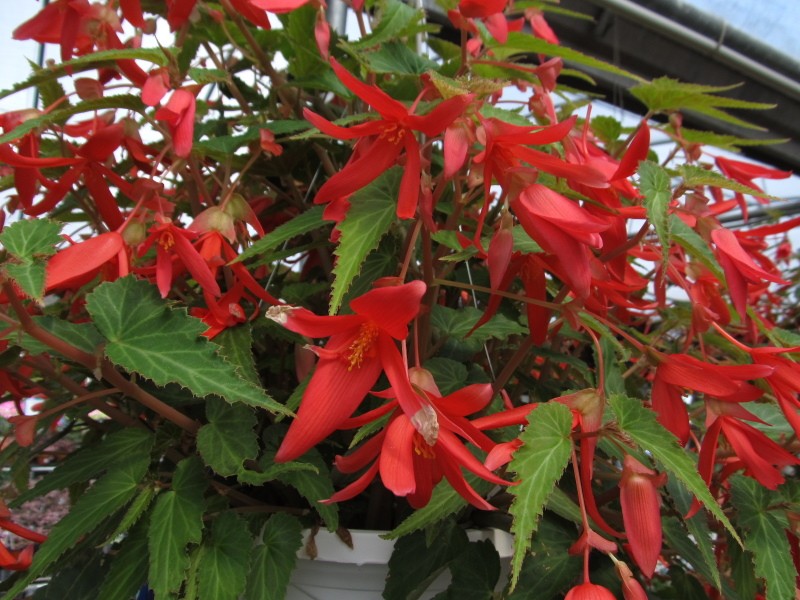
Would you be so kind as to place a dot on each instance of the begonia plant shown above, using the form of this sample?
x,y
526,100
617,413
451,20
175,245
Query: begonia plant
x,y
272,275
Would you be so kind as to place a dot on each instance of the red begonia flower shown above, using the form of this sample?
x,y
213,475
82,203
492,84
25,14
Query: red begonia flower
x,y
361,346
589,591
178,113
383,141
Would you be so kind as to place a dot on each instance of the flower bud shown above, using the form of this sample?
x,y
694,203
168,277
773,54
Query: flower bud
x,y
589,591
641,513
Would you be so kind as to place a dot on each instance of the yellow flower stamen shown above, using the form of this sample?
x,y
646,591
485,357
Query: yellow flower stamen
x,y
362,345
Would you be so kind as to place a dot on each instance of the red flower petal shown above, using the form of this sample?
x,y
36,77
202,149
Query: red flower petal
x,y
82,258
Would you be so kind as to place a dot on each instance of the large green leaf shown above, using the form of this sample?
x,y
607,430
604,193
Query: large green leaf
x,y
31,238
641,425
655,187
176,522
272,562
229,438
108,495
415,563
129,566
147,336
397,58
222,571
371,213
474,573
765,536
128,446
665,95
519,43
539,463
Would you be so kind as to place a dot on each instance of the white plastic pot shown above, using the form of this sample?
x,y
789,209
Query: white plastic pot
x,y
359,573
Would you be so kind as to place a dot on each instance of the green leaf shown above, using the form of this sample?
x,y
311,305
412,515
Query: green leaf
x,y
765,537
450,375
177,521
271,470
694,245
475,573
549,568
129,566
95,60
395,18
314,486
397,58
30,277
655,186
539,463
236,345
666,95
643,428
726,142
208,75
371,213
272,562
224,558
678,539
522,42
229,438
136,509
83,336
108,495
131,447
523,242
165,344
31,238
303,57
301,224
414,563
60,115
607,128
694,176
444,502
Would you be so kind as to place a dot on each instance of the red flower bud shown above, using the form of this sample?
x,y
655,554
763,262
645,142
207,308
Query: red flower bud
x,y
641,513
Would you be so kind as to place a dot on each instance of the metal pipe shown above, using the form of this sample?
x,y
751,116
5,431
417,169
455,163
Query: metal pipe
x,y
693,39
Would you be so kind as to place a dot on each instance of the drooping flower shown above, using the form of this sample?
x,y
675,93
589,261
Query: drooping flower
x,y
589,591
641,512
411,463
360,346
178,113
383,141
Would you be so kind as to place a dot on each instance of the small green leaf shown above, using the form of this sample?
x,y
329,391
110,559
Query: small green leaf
x,y
208,75
643,428
655,186
607,128
31,238
371,213
176,521
30,277
127,446
395,18
301,224
695,246
765,537
726,142
314,486
222,571
94,60
272,562
128,567
444,502
229,438
60,115
165,344
694,176
136,509
108,495
519,42
539,463
236,345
